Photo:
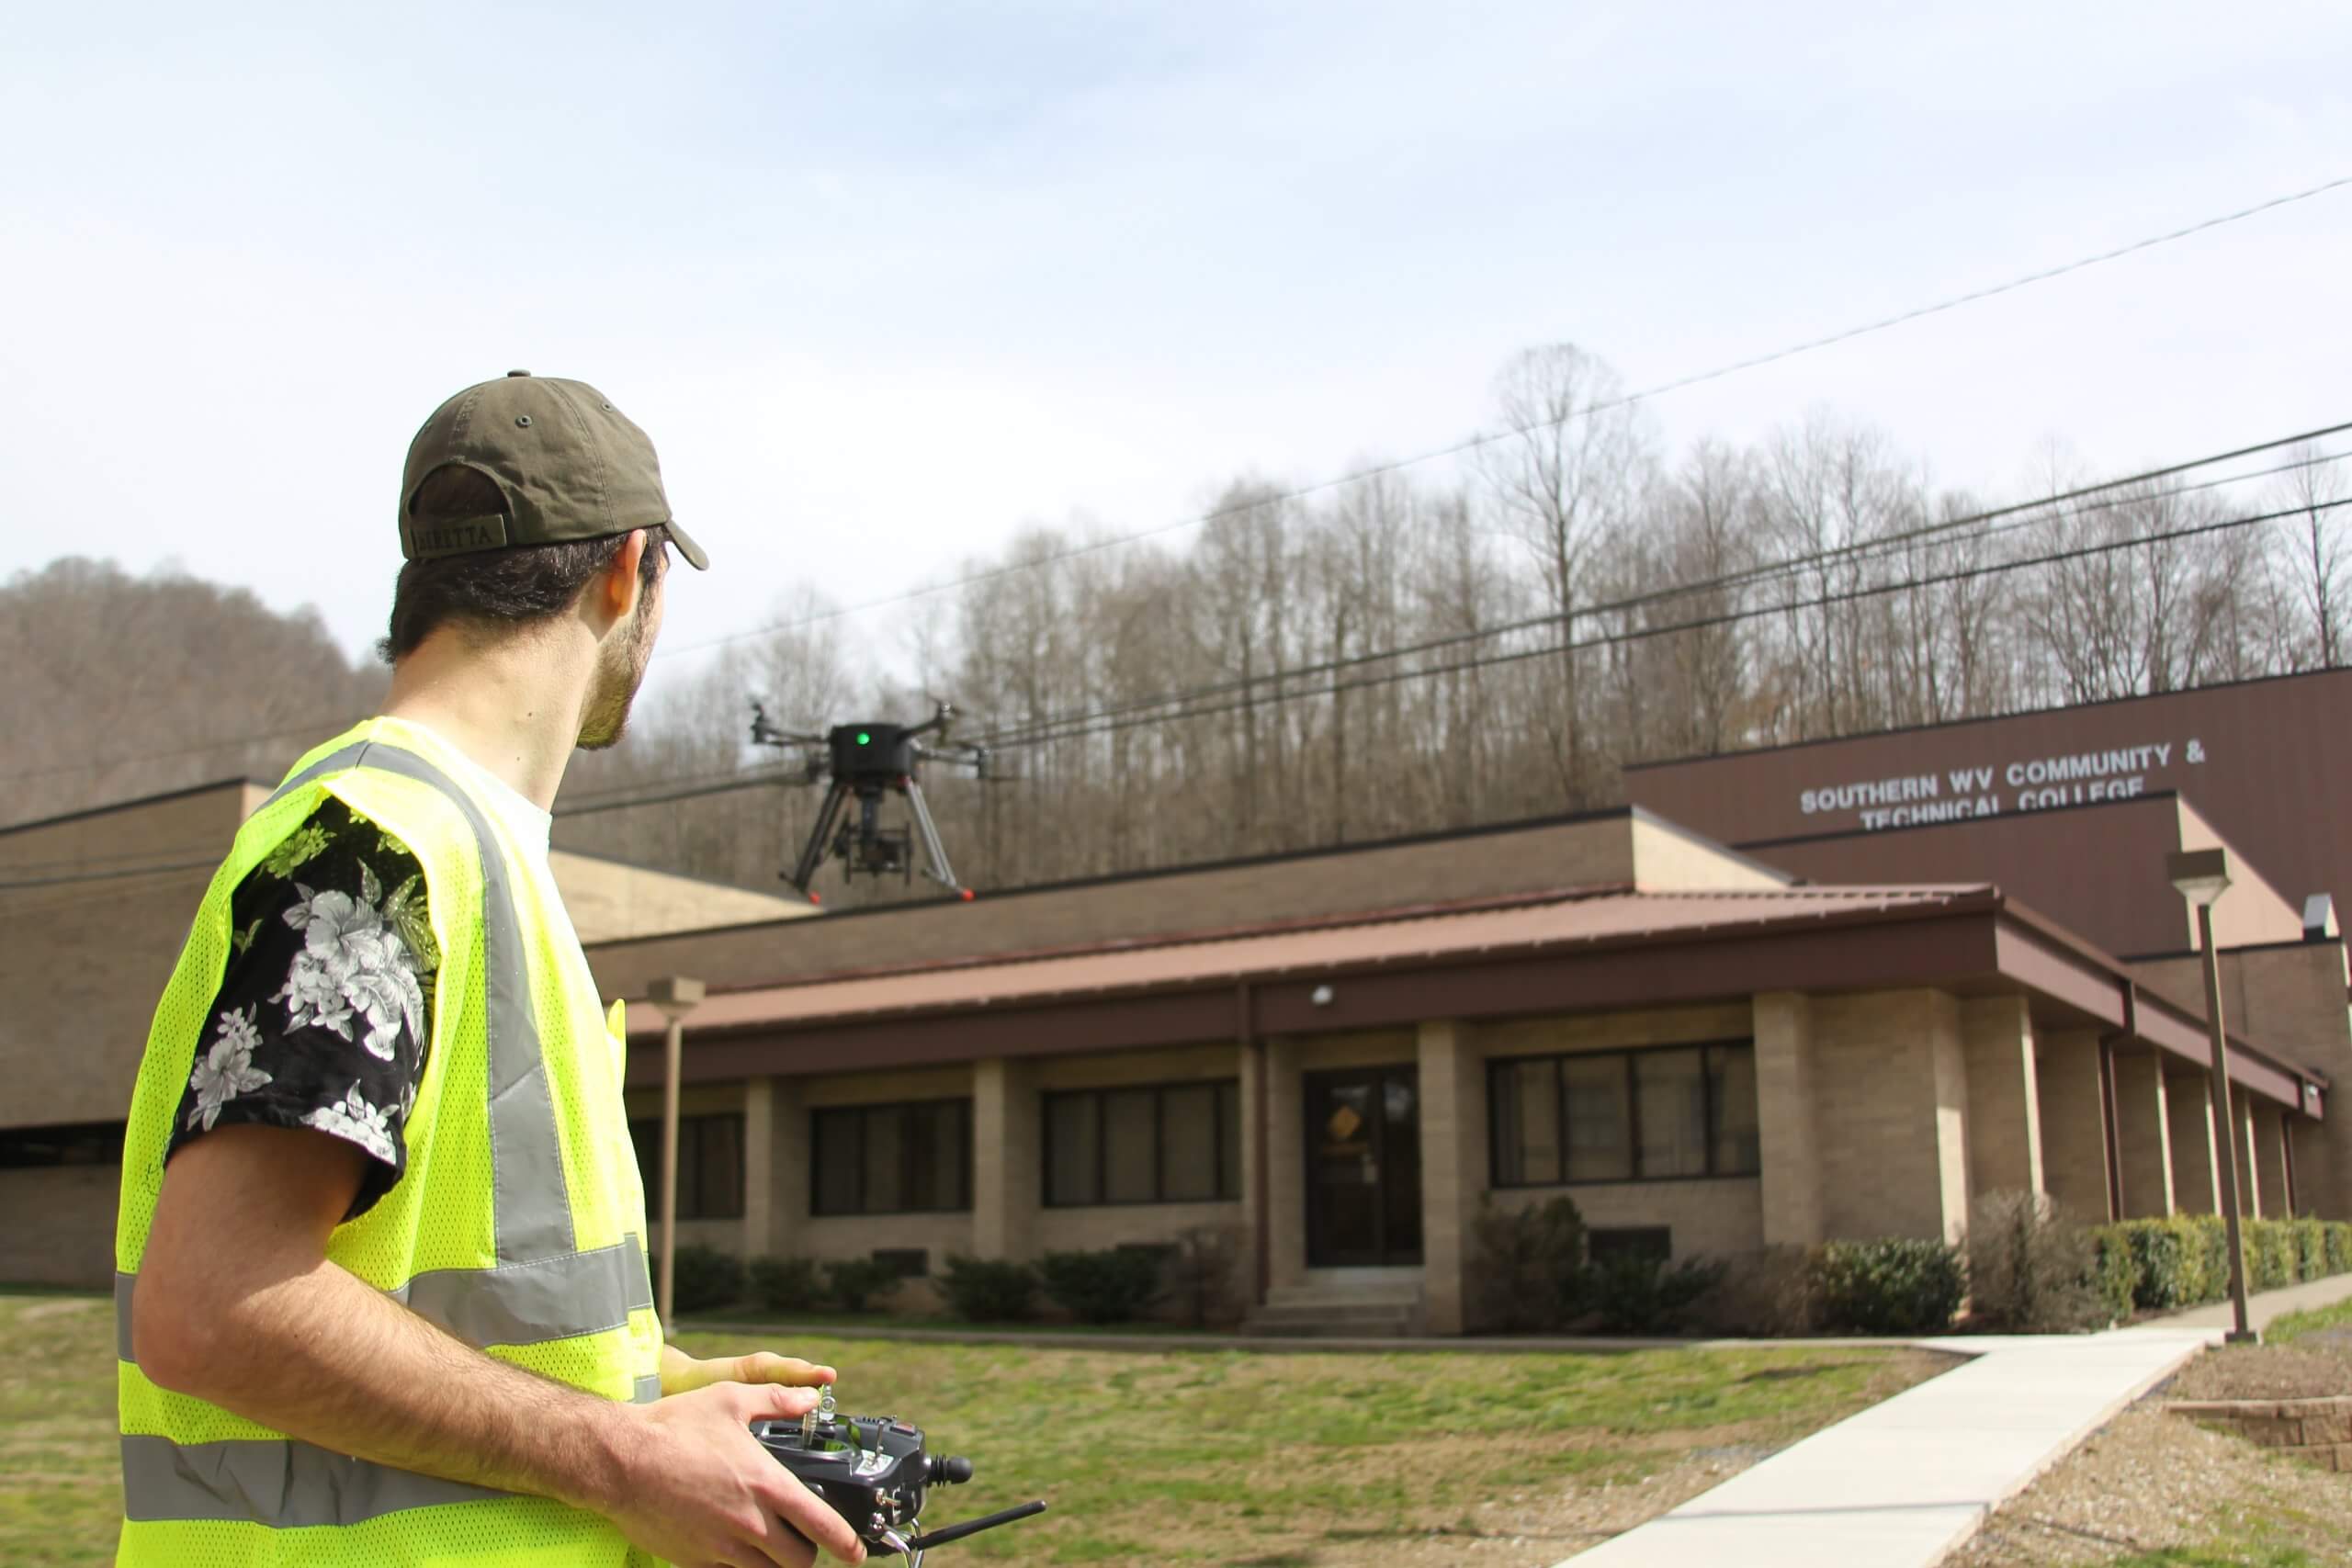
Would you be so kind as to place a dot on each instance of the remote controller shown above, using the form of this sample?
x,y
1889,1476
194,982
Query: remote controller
x,y
876,1473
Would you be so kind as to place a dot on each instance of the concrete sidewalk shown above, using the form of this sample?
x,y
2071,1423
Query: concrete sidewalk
x,y
1902,1484
2263,1309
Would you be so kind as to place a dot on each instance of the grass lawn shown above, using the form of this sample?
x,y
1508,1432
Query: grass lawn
x,y
1174,1455
2296,1325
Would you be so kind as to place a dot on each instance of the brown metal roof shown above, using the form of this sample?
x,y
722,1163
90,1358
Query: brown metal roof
x,y
1569,917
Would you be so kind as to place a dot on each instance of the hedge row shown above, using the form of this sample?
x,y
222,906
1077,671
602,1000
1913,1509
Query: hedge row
x,y
2184,1261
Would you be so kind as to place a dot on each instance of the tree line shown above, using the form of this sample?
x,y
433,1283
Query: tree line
x,y
1411,652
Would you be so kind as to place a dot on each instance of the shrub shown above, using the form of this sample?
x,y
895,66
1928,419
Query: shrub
x,y
2117,1280
988,1289
1772,1291
2311,1249
1114,1285
707,1278
2033,1270
2339,1247
2269,1255
852,1281
1892,1285
2213,1275
1199,1273
1530,1274
787,1284
2167,1261
1640,1293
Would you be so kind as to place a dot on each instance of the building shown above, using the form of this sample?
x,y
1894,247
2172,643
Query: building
x,y
1336,1057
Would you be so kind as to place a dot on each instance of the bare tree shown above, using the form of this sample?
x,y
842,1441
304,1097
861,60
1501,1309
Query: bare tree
x,y
1565,479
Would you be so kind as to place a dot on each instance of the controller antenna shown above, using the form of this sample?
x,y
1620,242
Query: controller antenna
x,y
974,1527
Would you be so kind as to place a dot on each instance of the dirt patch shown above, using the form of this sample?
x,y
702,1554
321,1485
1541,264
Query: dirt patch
x,y
2153,1482
2312,1368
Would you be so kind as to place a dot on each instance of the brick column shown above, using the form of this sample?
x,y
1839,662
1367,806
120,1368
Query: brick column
x,y
1285,1167
759,1168
2073,1130
2004,1108
2196,1161
1256,1205
1453,1167
2270,1153
790,1161
2144,1127
1786,1117
1006,1148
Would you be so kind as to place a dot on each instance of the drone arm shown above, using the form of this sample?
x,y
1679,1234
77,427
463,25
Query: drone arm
x,y
936,852
812,854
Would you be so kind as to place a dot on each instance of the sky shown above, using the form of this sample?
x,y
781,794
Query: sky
x,y
888,283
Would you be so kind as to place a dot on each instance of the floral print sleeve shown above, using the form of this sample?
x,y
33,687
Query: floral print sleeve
x,y
322,1019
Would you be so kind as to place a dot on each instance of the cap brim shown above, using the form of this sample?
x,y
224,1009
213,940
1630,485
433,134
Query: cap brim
x,y
687,547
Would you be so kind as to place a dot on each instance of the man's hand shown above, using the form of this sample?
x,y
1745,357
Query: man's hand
x,y
681,1374
700,1492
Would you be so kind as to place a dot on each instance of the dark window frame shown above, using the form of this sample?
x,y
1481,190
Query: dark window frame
x,y
693,1201
960,1204
1497,1067
62,1145
1159,1092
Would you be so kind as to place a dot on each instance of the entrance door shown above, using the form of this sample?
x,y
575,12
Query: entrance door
x,y
1364,1168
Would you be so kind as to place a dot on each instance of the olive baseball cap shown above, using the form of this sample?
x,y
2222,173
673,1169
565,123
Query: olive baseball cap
x,y
570,464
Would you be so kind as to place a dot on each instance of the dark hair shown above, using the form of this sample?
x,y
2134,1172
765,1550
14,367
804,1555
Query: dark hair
x,y
495,589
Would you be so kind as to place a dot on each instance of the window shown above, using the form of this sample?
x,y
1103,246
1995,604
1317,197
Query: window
x,y
891,1159
710,1166
91,1142
1166,1144
1606,1244
1648,1115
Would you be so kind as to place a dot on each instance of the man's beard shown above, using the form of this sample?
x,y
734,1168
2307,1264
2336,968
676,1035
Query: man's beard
x,y
618,674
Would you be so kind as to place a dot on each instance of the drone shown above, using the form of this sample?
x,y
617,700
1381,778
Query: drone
x,y
867,760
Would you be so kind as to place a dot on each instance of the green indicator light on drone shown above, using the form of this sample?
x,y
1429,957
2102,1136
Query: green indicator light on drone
x,y
863,737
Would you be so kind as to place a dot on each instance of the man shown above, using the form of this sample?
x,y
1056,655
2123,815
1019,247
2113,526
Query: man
x,y
382,1281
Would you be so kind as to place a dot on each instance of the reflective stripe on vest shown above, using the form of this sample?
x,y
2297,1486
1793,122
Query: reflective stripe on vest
x,y
518,1303
542,1289
532,1205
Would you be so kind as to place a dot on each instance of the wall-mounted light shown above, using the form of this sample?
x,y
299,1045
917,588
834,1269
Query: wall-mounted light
x,y
1320,996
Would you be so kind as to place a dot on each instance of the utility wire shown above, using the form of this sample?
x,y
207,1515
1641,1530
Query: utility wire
x,y
1025,731
1112,723
1358,476
1730,618
725,783
1488,438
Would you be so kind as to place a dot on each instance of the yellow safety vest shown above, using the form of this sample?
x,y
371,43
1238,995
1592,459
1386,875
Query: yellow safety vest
x,y
516,1227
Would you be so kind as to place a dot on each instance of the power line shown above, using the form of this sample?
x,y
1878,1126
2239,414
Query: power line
x,y
1642,633
1488,438
1639,633
312,726
1860,550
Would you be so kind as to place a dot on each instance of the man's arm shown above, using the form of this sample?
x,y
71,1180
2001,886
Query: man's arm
x,y
237,1305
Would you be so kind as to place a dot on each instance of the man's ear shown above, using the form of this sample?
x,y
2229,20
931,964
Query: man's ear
x,y
619,584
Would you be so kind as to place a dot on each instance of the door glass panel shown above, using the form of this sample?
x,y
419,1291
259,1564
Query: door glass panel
x,y
1345,1161
1400,1173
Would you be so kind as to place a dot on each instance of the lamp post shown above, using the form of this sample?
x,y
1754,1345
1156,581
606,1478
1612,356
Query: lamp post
x,y
2202,876
676,997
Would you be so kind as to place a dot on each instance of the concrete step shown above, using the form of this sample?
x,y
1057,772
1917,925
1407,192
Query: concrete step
x,y
1329,1314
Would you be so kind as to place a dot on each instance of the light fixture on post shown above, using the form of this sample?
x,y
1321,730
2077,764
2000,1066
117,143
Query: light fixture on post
x,y
2202,876
676,995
